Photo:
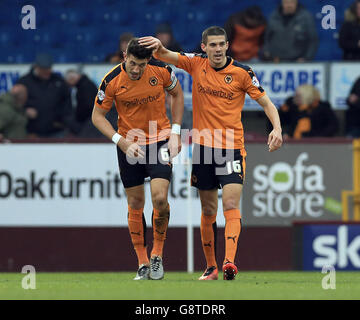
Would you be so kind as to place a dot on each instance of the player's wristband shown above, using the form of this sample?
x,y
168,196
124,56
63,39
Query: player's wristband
x,y
116,138
176,128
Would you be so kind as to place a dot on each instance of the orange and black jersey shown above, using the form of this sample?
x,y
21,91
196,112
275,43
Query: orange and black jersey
x,y
218,99
140,103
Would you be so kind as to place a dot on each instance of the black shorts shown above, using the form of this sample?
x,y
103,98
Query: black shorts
x,y
155,164
213,168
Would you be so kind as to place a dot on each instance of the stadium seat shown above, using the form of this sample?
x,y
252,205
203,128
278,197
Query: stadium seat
x,y
66,24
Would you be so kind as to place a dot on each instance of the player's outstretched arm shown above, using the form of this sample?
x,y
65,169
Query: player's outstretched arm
x,y
160,52
104,126
177,111
275,136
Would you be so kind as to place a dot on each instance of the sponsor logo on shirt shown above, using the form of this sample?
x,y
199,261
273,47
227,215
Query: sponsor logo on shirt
x,y
136,102
215,93
255,82
101,95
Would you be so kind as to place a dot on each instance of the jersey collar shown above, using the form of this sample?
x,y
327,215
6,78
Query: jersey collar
x,y
228,61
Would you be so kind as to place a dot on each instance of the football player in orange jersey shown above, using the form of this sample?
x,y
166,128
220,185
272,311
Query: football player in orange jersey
x,y
145,143
218,92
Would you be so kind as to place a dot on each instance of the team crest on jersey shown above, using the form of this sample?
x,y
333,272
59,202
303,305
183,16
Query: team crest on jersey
x,y
153,81
228,78
255,82
101,95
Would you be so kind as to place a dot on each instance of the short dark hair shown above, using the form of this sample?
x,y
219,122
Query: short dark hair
x,y
138,51
213,31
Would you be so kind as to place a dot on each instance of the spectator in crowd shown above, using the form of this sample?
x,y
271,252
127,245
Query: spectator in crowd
x,y
305,115
12,115
48,106
245,30
165,35
352,114
118,56
83,93
349,37
290,34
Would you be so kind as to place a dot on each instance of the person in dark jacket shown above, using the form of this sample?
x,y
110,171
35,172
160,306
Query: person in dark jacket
x,y
305,115
352,114
349,36
83,93
165,35
12,116
48,106
245,30
118,56
290,34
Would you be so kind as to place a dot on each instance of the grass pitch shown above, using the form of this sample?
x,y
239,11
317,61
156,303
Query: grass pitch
x,y
180,286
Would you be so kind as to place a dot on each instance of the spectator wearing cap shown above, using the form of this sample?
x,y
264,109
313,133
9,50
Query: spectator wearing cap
x,y
349,36
12,116
245,30
290,34
48,105
165,35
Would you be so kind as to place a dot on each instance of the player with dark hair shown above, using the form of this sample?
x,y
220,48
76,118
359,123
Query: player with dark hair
x,y
218,93
137,86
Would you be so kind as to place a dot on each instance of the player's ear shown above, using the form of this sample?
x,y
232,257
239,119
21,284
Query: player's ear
x,y
125,56
203,47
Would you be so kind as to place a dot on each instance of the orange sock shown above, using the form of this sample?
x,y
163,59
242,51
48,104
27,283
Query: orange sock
x,y
160,225
232,232
208,238
137,229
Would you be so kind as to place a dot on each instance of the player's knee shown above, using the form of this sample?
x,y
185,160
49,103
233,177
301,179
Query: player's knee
x,y
209,209
160,201
136,203
230,204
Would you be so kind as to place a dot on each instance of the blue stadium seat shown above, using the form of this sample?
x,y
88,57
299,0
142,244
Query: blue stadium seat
x,y
86,31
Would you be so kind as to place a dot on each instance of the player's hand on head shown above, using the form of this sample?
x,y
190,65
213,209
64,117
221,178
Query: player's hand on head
x,y
275,140
174,145
150,43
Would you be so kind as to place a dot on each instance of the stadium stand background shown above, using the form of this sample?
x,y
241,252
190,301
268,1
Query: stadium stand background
x,y
86,31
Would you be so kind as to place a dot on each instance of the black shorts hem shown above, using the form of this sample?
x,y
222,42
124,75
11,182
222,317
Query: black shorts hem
x,y
234,182
131,184
161,176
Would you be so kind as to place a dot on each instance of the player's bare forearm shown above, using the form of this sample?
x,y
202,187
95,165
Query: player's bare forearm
x,y
160,52
167,56
104,126
101,123
270,111
177,111
177,104
275,136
